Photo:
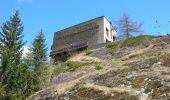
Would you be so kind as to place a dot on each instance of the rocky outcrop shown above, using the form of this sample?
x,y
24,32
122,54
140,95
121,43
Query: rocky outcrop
x,y
128,73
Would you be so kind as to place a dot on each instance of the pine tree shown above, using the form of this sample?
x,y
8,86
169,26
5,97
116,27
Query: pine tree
x,y
39,56
11,39
39,51
126,26
22,84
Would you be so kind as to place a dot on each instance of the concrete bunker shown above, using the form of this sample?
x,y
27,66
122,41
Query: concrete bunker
x,y
90,34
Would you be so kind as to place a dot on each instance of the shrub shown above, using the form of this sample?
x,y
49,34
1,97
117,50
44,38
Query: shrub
x,y
44,76
98,67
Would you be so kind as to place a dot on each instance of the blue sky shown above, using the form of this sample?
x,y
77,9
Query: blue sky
x,y
53,15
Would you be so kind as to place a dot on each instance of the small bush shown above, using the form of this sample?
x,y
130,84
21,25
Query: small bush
x,y
133,41
88,51
98,67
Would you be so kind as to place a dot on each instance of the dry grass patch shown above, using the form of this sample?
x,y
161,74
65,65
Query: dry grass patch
x,y
138,82
71,66
85,93
165,59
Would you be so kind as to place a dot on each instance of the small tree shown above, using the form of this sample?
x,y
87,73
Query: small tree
x,y
39,51
126,26
39,56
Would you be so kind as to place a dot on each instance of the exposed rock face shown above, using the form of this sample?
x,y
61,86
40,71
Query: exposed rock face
x,y
48,94
143,64
69,76
120,52
129,73
93,94
103,53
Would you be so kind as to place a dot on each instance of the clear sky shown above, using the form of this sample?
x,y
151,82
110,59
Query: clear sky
x,y
53,15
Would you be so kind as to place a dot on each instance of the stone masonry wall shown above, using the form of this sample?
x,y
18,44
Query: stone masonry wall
x,y
89,32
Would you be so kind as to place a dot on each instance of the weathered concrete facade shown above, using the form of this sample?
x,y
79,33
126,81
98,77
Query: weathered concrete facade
x,y
84,35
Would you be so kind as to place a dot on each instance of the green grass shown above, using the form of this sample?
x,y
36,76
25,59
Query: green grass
x,y
71,66
113,45
133,41
98,67
88,51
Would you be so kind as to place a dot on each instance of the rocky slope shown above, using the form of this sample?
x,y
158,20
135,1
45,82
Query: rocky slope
x,y
137,72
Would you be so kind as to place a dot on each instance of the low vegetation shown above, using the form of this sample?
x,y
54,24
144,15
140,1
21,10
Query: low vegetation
x,y
71,66
93,94
143,74
88,51
132,41
165,59
113,45
98,67
138,82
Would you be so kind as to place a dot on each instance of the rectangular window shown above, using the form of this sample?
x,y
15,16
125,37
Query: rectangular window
x,y
107,32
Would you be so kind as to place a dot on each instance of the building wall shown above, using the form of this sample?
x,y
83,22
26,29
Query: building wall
x,y
109,32
85,32
93,32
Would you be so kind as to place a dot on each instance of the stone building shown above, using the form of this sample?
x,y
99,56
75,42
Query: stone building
x,y
90,34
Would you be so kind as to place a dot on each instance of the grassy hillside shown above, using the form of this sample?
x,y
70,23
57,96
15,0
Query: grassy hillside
x,y
135,69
